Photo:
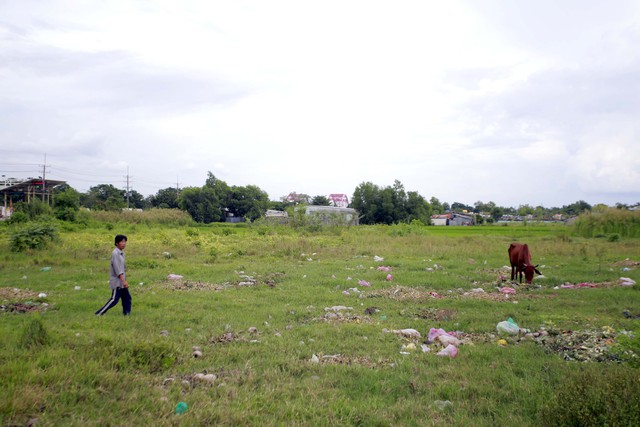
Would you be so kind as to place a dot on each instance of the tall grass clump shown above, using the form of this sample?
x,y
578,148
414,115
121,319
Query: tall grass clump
x,y
148,217
625,223
32,236
595,396
34,335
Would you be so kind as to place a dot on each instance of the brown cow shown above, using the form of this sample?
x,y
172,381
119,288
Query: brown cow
x,y
521,262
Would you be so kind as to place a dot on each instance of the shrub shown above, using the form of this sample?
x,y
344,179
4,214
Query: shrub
x,y
34,236
595,395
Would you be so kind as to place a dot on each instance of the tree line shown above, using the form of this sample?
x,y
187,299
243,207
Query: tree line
x,y
215,201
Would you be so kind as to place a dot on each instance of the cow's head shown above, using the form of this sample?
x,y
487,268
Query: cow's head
x,y
529,271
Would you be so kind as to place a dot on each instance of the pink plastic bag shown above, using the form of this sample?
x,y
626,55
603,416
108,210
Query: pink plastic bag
x,y
364,283
450,350
507,290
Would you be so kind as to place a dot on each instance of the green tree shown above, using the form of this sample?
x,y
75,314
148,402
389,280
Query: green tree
x,y
436,206
577,208
418,208
249,202
104,197
320,201
202,204
366,200
166,198
66,203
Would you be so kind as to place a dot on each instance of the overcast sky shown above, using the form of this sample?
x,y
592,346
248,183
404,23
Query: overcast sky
x,y
515,102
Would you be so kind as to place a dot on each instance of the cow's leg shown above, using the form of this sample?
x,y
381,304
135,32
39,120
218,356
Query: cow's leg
x,y
513,273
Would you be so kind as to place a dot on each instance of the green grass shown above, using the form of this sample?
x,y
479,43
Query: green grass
x,y
64,366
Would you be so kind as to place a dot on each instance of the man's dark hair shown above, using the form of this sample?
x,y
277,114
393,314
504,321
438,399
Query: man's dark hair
x,y
120,237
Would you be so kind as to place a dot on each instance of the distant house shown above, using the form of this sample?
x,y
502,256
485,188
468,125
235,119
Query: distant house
x,y
339,200
452,218
13,190
332,215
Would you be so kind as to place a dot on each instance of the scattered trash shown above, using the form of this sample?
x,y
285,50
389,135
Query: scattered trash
x,y
167,255
442,404
371,310
42,295
408,333
508,327
383,268
477,291
315,359
437,333
389,277
164,333
625,281
252,330
45,269
629,315
364,283
181,408
338,308
408,347
425,348
77,288
377,258
174,276
596,345
435,295
450,351
502,342
197,354
507,290
346,293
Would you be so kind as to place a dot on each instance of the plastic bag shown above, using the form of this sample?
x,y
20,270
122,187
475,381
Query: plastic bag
x,y
450,350
508,327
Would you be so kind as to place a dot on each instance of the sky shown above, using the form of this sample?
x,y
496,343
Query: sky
x,y
515,102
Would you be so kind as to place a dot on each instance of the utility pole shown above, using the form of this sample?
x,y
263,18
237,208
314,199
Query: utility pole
x,y
177,188
127,187
44,177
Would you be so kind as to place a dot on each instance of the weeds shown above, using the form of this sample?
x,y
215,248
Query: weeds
x,y
32,236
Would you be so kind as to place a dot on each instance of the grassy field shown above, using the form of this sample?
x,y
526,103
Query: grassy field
x,y
254,300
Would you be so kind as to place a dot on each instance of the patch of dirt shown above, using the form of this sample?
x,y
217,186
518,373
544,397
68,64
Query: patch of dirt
x,y
340,359
587,345
437,315
226,338
343,318
20,308
400,293
626,263
188,285
270,280
15,294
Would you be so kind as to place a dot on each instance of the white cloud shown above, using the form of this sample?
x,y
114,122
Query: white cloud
x,y
454,99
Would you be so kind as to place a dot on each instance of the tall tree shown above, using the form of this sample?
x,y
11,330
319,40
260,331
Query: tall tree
x,y
366,200
418,208
166,198
104,197
249,202
202,204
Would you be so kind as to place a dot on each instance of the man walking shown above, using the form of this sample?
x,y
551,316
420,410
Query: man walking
x,y
118,280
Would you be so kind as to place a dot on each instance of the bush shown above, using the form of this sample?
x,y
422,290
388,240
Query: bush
x,y
34,236
596,395
609,222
